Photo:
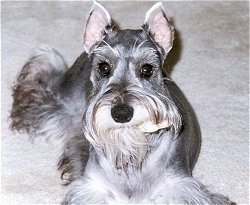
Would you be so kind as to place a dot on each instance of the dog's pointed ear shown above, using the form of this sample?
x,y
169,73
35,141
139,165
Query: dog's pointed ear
x,y
97,23
159,28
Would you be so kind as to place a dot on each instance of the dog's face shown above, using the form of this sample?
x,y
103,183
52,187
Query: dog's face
x,y
129,99
127,80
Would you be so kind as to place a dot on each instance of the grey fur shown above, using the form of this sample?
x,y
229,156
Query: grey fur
x,y
104,161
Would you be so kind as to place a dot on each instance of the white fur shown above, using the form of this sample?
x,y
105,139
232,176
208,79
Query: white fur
x,y
165,187
98,19
51,56
96,4
158,25
155,7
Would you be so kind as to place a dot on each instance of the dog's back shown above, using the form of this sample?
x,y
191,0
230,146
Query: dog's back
x,y
191,129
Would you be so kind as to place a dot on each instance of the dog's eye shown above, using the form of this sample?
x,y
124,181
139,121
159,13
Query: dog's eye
x,y
104,69
146,71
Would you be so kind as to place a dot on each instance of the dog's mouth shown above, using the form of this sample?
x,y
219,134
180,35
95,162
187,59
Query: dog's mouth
x,y
150,126
144,127
147,126
123,116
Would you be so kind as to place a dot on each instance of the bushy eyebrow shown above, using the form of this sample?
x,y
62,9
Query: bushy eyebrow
x,y
148,54
139,52
106,48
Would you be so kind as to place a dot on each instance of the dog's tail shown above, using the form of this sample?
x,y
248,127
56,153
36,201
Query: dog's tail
x,y
35,101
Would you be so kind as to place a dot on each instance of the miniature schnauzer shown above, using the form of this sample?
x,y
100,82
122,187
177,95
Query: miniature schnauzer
x,y
130,134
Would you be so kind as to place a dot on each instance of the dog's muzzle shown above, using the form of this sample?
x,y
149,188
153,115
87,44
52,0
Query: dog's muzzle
x,y
122,113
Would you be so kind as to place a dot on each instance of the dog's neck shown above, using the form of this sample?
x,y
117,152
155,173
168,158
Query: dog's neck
x,y
148,152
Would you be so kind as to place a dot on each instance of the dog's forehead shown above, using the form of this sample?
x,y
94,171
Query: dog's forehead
x,y
128,43
128,39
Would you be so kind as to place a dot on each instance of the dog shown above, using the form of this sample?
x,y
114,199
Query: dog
x,y
130,134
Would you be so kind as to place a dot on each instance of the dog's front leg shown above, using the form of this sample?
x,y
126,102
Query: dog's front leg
x,y
74,158
85,191
187,190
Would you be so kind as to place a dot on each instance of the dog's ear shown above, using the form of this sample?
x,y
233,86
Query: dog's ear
x,y
98,21
158,26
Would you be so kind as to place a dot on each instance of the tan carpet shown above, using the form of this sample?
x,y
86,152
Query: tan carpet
x,y
210,63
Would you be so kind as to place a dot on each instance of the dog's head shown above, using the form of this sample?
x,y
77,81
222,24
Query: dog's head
x,y
129,102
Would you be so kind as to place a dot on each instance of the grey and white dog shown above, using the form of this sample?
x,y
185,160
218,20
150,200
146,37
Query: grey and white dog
x,y
130,135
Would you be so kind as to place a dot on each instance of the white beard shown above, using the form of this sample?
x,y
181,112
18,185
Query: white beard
x,y
126,143
122,143
124,146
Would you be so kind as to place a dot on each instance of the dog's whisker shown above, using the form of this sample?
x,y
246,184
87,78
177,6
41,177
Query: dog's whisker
x,y
115,51
134,45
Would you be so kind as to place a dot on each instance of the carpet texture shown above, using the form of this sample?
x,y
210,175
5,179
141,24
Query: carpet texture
x,y
209,62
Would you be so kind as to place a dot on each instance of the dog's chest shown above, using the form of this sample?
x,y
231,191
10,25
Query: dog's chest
x,y
145,185
135,188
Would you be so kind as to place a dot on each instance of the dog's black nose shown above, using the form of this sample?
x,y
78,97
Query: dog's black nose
x,y
122,113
